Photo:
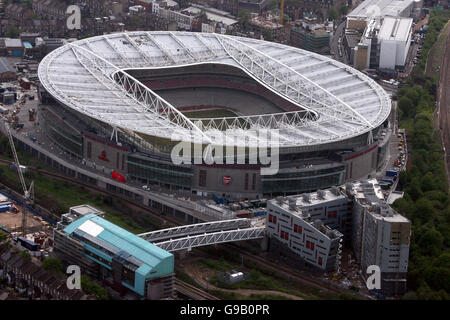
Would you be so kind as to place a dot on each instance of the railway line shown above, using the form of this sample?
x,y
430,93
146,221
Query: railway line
x,y
184,287
192,292
289,273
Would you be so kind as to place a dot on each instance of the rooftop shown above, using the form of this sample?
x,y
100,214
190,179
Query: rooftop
x,y
212,16
92,229
369,194
384,7
6,66
395,28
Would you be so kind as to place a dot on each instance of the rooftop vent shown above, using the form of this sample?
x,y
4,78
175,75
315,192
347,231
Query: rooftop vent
x,y
306,197
292,204
335,190
321,194
279,199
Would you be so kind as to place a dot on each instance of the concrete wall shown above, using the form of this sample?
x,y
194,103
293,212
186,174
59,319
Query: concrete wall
x,y
105,154
236,187
361,163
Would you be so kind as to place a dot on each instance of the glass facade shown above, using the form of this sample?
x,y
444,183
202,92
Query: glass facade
x,y
159,172
56,131
297,182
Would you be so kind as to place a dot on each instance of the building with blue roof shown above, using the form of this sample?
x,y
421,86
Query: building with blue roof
x,y
110,253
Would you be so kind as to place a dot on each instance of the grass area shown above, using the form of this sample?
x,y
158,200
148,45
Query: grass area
x,y
235,296
437,51
58,196
213,113
260,279
183,276
407,124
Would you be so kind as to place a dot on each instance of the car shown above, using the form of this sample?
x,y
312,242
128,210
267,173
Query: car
x,y
145,188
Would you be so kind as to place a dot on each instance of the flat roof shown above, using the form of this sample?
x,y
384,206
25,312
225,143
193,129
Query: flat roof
x,y
15,43
369,194
395,28
120,239
6,66
384,7
212,16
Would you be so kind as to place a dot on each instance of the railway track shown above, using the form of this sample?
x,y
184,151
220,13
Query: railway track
x,y
192,292
284,270
182,285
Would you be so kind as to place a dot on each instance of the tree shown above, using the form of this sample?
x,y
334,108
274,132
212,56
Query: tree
x,y
244,17
406,105
3,236
12,32
333,13
343,10
272,5
25,255
424,210
430,242
52,264
90,287
414,190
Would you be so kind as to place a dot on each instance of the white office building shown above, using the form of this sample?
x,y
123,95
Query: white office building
x,y
394,40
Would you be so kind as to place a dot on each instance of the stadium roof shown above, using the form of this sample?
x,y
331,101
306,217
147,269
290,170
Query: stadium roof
x,y
336,102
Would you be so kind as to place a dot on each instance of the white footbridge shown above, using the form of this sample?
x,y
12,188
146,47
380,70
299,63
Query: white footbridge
x,y
203,234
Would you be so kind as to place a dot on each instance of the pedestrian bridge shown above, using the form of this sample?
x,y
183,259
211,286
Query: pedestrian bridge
x,y
203,234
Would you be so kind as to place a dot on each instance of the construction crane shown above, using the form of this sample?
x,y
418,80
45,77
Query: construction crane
x,y
28,193
282,12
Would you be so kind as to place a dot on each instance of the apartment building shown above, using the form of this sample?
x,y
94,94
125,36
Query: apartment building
x,y
381,236
296,223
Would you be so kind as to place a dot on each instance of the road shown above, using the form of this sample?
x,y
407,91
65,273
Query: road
x,y
335,43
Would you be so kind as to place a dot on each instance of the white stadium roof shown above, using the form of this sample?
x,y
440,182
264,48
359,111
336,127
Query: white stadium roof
x,y
338,102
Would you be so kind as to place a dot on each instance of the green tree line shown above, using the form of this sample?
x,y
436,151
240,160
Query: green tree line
x,y
426,200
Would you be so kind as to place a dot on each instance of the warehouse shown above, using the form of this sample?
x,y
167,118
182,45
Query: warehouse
x,y
7,71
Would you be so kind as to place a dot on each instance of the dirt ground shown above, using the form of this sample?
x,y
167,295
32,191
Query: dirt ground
x,y
200,274
13,221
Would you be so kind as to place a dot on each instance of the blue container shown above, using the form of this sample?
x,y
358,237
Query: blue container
x,y
5,208
391,173
259,213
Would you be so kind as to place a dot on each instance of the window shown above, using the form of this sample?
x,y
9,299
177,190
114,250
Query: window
x,y
246,182
320,261
254,182
89,150
202,178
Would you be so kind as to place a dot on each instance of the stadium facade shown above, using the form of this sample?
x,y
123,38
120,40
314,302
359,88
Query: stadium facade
x,y
116,101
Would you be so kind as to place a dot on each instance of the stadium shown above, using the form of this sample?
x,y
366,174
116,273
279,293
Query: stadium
x,y
116,101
